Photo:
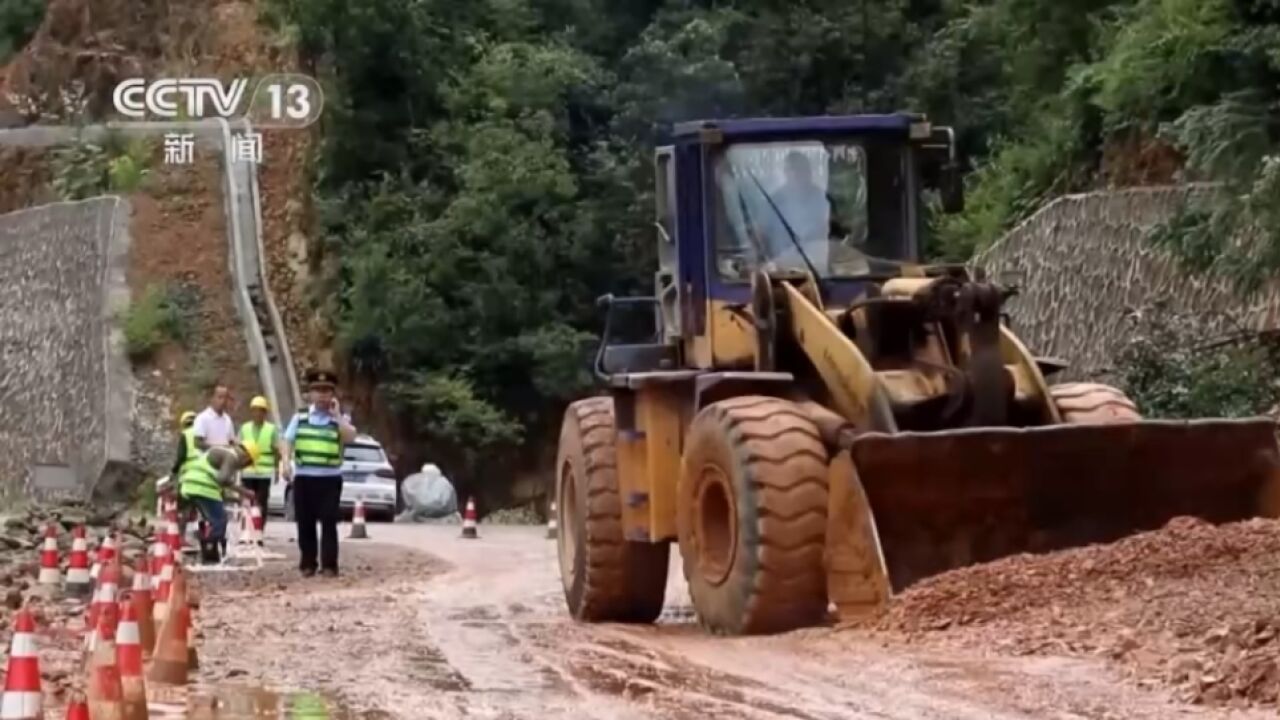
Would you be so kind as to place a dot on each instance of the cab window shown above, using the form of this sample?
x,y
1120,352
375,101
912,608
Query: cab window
x,y
796,204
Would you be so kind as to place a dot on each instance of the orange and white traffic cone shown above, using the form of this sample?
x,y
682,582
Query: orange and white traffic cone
x,y
79,584
469,521
258,522
106,556
160,605
50,576
552,529
23,698
106,693
358,530
140,598
173,533
78,709
96,569
129,657
193,657
161,553
171,663
104,598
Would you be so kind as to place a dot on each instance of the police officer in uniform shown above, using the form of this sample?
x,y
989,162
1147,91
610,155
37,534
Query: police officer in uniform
x,y
314,441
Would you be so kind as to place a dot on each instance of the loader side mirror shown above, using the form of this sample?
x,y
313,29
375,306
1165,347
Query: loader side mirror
x,y
951,189
942,169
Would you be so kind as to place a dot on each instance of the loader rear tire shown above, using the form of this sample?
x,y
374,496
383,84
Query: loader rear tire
x,y
606,578
1093,403
752,506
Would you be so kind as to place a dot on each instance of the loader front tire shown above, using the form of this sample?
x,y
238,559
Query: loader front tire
x,y
752,516
1092,403
606,578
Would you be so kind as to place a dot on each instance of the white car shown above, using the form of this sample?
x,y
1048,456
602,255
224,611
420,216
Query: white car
x,y
367,475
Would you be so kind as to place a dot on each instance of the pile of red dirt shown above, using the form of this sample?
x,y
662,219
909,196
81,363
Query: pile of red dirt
x,y
1192,605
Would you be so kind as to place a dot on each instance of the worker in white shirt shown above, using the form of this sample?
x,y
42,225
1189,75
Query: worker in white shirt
x,y
213,426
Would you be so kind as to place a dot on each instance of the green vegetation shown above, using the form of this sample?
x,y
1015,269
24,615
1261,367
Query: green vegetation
x,y
19,20
1171,372
145,497
485,171
84,170
163,313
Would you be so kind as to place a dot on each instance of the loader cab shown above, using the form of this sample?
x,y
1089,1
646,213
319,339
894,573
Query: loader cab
x,y
836,196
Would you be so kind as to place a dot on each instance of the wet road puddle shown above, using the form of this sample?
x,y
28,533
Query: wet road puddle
x,y
242,702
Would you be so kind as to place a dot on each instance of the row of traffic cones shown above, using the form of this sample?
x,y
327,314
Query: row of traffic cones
x,y
82,577
121,637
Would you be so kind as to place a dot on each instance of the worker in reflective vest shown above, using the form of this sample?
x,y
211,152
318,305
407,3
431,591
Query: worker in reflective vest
x,y
262,473
187,451
208,482
313,446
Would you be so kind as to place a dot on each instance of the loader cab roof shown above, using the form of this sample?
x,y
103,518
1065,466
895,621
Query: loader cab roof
x,y
721,179
794,127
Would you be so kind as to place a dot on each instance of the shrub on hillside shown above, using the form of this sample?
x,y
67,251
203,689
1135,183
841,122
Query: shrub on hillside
x,y
1171,370
84,170
157,317
19,20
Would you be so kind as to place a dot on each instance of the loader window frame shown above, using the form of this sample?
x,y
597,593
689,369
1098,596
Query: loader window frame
x,y
869,205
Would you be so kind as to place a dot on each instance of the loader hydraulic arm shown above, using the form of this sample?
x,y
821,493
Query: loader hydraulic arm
x,y
951,363
848,377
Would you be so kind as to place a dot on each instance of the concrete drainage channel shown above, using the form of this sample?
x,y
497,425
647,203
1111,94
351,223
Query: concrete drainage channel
x,y
264,330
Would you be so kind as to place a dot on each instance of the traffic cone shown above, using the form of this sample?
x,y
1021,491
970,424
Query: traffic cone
x,y
23,699
129,654
105,556
140,598
259,523
173,533
106,693
358,531
161,553
552,530
50,575
104,596
170,665
78,584
78,709
469,520
96,569
111,614
193,658
160,604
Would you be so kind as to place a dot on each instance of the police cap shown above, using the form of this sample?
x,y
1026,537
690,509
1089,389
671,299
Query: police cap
x,y
321,378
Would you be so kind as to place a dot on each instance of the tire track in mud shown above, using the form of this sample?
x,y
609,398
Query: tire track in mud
x,y
616,666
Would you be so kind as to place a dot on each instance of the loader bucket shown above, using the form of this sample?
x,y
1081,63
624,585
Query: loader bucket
x,y
942,500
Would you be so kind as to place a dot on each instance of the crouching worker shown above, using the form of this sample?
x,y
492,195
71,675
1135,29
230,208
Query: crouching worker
x,y
210,481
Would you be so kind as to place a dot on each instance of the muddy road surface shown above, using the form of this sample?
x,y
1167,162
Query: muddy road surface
x,y
427,625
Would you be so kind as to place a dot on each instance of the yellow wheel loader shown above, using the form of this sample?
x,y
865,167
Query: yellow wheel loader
x,y
817,419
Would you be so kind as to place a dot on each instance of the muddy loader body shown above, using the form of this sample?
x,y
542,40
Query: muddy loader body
x,y
816,418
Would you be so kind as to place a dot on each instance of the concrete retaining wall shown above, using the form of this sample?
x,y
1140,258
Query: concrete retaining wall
x,y
63,369
1085,265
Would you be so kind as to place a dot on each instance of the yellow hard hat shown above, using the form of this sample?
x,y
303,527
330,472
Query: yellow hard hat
x,y
187,418
251,449
260,403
